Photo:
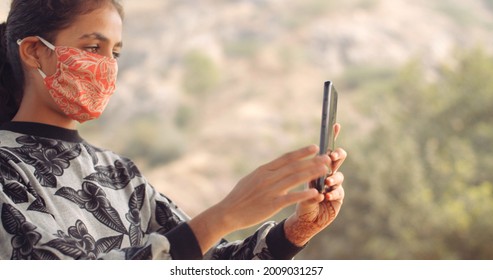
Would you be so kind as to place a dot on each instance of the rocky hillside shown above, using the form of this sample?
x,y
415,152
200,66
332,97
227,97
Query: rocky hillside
x,y
209,90
270,59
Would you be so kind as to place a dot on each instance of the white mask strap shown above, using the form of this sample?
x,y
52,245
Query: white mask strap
x,y
41,73
46,43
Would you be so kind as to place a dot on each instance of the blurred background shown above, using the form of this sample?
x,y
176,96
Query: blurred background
x,y
211,89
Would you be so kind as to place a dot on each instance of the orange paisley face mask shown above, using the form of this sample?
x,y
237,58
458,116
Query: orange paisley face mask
x,y
83,82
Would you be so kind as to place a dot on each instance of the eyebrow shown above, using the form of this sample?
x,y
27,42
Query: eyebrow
x,y
100,37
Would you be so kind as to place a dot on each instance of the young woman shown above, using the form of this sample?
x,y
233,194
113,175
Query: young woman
x,y
62,198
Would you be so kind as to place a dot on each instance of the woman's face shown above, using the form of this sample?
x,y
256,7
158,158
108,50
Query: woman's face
x,y
99,31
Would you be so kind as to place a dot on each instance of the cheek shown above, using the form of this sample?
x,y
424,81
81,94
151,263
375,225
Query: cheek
x,y
49,64
51,67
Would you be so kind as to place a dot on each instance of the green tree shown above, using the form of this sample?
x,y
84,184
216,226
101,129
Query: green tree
x,y
201,75
420,183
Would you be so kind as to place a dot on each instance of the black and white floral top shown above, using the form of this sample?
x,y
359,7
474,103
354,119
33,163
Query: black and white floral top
x,y
62,198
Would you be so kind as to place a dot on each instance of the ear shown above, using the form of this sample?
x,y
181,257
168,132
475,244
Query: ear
x,y
30,50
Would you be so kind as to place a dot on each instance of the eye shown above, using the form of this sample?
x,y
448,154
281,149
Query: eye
x,y
93,49
116,55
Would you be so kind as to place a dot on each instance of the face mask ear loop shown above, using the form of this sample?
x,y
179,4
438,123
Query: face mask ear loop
x,y
41,72
46,43
19,42
50,46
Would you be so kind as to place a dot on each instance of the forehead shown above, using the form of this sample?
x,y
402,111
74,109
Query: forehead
x,y
105,20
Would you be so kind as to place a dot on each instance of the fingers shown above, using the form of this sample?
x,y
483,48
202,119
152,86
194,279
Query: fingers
x,y
335,179
295,178
300,171
337,129
334,186
296,168
337,194
300,196
337,157
292,156
293,169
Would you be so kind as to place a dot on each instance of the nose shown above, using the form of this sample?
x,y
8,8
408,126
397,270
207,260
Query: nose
x,y
108,53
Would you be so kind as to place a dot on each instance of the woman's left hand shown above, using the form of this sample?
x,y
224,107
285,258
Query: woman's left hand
x,y
314,215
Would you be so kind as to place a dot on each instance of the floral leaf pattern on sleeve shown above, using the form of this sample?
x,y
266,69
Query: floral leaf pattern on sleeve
x,y
48,157
38,205
135,203
92,152
25,236
7,171
115,176
79,244
16,191
165,217
93,199
138,253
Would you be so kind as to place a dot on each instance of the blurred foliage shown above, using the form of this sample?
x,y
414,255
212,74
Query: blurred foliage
x,y
419,185
201,74
307,10
146,139
488,4
244,47
153,145
456,11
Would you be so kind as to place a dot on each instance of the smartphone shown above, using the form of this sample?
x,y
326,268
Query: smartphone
x,y
327,137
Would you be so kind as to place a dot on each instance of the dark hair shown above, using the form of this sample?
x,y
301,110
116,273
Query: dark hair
x,y
44,18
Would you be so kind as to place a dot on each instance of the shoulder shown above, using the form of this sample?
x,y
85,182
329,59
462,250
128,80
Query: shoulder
x,y
7,138
8,144
107,156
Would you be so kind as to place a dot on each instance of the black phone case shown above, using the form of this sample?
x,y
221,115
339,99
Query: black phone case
x,y
329,114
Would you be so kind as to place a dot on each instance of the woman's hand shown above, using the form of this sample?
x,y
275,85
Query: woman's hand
x,y
261,194
312,216
268,189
